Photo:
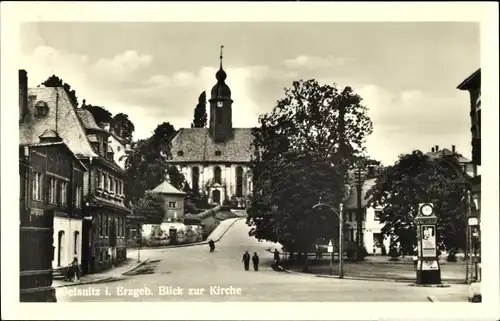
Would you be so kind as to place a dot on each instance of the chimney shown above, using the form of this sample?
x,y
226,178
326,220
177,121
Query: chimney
x,y
432,149
437,148
83,104
453,148
23,93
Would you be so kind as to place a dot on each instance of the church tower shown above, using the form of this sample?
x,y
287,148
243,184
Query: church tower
x,y
221,125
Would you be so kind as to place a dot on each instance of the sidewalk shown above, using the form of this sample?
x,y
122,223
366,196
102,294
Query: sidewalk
x,y
129,264
383,270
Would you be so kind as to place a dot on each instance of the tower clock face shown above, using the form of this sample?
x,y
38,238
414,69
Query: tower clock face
x,y
220,104
426,209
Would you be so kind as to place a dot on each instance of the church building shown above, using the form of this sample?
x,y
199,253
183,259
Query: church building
x,y
215,160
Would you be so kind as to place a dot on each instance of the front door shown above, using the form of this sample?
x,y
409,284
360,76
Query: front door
x,y
216,196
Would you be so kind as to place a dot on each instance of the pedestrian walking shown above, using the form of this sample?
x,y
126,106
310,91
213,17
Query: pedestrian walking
x,y
255,260
212,245
246,260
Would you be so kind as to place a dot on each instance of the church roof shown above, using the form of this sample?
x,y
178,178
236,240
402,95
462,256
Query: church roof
x,y
196,145
88,120
166,188
68,125
446,152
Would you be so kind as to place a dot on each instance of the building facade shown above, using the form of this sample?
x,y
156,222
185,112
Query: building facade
x,y
105,242
373,239
102,232
215,160
173,202
51,195
472,85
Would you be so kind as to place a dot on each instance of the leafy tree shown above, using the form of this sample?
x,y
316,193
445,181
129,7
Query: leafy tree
x,y
302,148
101,115
123,127
415,178
146,164
200,112
54,81
150,206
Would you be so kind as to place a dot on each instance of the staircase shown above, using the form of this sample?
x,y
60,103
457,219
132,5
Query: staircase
x,y
58,274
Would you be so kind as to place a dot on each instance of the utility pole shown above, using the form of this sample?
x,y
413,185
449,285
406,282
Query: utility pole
x,y
359,215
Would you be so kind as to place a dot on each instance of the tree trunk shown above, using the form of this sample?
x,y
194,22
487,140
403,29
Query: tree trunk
x,y
306,263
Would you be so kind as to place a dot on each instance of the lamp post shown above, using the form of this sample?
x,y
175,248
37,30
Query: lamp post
x,y
339,214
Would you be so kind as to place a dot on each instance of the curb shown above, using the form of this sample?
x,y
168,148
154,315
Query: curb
x,y
432,299
135,266
85,282
360,278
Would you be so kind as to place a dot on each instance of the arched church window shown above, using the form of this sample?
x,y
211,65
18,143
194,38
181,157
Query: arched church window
x,y
218,153
217,175
195,178
239,181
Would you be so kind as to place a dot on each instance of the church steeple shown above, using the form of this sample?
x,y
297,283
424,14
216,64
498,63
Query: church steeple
x,y
221,126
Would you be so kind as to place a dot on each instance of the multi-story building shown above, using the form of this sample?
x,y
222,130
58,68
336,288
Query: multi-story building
x,y
216,160
104,186
373,238
102,231
51,194
472,84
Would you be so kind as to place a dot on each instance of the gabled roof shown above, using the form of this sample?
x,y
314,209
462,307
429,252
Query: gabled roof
x,y
88,120
68,125
471,82
166,188
352,201
197,145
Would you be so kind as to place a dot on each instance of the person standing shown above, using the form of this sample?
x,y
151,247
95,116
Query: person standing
x,y
255,260
276,257
75,270
246,260
212,245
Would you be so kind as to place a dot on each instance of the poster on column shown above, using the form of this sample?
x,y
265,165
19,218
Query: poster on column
x,y
428,241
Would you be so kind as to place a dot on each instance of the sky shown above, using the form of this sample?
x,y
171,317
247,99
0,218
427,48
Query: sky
x,y
154,72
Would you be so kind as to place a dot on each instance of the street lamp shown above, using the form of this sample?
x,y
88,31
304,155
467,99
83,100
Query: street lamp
x,y
340,216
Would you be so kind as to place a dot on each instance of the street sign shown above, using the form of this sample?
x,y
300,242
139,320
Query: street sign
x,y
473,221
330,247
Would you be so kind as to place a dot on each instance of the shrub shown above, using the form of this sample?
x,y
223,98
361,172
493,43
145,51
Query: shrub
x,y
354,252
393,253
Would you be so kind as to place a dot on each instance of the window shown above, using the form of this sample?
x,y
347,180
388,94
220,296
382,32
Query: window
x,y
41,109
377,215
76,241
101,224
106,225
52,190
217,175
180,153
118,148
195,177
60,247
172,204
100,179
111,184
64,193
239,181
37,186
117,190
350,216
78,196
218,153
